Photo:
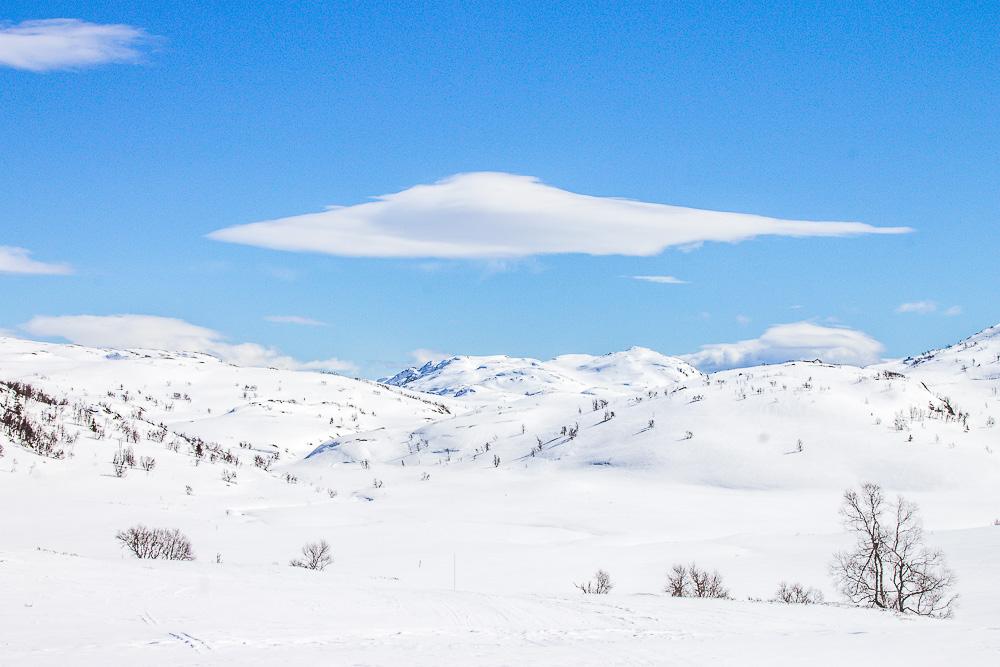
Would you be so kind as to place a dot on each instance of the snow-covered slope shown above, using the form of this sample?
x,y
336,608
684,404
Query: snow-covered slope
x,y
636,369
969,369
977,356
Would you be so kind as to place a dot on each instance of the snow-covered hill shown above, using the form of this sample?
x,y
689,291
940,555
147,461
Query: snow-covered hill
x,y
794,425
461,517
200,396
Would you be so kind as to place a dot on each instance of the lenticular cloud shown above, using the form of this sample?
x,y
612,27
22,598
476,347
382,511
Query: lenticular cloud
x,y
491,214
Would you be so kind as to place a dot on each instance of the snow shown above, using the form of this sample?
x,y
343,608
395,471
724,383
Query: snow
x,y
444,556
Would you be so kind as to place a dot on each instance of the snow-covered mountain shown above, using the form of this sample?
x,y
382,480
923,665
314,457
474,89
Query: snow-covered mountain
x,y
635,369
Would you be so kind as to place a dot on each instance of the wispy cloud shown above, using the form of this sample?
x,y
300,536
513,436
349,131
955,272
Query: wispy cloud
x,y
917,307
18,260
927,308
54,44
662,280
166,333
295,319
788,342
499,215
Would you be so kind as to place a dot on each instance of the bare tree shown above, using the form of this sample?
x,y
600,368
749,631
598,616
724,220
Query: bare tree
x,y
601,584
797,594
165,543
889,566
693,582
677,582
315,556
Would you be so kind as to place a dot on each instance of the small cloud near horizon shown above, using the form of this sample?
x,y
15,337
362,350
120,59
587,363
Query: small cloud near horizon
x,y
422,355
791,342
129,331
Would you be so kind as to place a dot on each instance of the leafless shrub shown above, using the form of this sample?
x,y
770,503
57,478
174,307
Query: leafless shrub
x,y
315,556
600,585
889,566
797,594
229,476
118,464
147,463
164,543
693,582
263,462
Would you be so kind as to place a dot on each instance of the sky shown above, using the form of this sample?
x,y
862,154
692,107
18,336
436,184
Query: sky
x,y
361,186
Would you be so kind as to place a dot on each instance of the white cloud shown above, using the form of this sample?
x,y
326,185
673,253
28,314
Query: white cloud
x,y
166,333
953,311
742,320
662,280
918,307
789,342
18,260
53,44
295,319
423,355
499,215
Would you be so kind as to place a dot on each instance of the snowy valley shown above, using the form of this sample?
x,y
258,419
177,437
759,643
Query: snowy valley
x,y
464,499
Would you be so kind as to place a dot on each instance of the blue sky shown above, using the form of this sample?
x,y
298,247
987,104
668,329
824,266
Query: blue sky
x,y
233,115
